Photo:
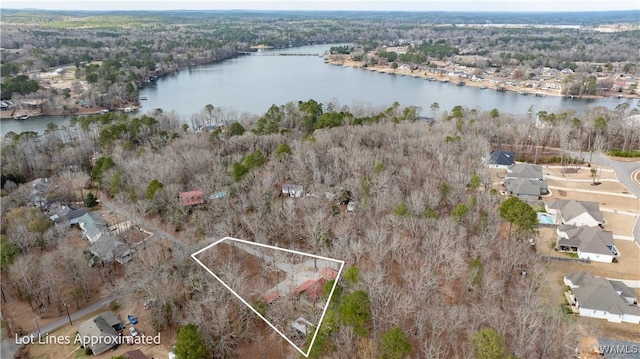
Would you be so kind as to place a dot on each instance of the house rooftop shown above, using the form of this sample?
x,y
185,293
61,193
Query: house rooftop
x,y
598,293
588,239
191,198
571,209
525,170
502,158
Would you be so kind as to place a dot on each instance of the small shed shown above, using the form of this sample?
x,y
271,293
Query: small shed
x,y
292,190
191,198
302,325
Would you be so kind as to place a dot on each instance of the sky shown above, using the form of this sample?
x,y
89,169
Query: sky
x,y
375,5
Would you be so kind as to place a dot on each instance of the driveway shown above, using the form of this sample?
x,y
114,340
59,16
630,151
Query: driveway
x,y
624,173
8,347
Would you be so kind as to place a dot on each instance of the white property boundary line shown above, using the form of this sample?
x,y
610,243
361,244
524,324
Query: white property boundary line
x,y
306,355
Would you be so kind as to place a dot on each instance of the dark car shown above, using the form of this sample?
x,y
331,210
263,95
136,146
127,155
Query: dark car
x,y
132,319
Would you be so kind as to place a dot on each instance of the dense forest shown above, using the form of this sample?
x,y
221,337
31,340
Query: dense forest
x,y
436,267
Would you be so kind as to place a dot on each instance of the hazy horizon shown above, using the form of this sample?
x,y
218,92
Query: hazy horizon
x,y
331,5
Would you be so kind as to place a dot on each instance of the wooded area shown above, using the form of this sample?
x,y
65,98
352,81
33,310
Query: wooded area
x,y
434,257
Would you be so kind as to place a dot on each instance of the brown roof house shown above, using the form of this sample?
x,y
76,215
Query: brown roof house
x,y
99,334
590,243
191,198
313,288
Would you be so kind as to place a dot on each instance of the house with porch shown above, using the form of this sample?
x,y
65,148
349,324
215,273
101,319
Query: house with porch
x,y
577,213
590,243
109,249
598,297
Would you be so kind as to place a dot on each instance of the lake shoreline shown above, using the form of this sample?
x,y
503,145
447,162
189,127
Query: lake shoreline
x,y
486,83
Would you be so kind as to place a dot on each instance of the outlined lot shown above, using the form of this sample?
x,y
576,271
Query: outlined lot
x,y
288,289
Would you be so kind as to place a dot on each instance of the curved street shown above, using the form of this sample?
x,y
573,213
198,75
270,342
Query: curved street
x,y
624,172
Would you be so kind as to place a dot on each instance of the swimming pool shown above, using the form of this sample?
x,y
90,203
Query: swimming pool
x,y
545,218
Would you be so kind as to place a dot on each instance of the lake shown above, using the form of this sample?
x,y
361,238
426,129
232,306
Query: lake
x,y
253,83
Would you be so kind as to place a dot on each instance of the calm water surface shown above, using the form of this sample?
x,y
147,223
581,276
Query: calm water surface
x,y
253,83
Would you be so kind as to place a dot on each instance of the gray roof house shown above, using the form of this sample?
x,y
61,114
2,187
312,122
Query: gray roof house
x,y
525,170
577,213
109,249
601,298
99,334
526,189
591,243
499,159
39,189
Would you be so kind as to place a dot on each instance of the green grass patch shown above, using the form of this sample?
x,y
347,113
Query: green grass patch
x,y
620,153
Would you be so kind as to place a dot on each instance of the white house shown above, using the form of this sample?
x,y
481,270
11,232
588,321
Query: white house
x,y
590,243
577,213
601,298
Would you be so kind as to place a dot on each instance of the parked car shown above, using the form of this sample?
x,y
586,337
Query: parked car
x,y
133,331
132,319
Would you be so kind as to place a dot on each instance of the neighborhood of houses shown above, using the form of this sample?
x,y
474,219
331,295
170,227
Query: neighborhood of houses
x,y
581,234
106,243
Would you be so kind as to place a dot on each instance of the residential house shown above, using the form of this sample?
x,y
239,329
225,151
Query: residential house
x,y
99,334
525,170
499,159
191,198
590,243
598,297
109,249
312,288
577,213
39,190
526,189
292,190
92,229
623,84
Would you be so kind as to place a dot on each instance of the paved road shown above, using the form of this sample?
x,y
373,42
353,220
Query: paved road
x,y
624,173
183,248
8,347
